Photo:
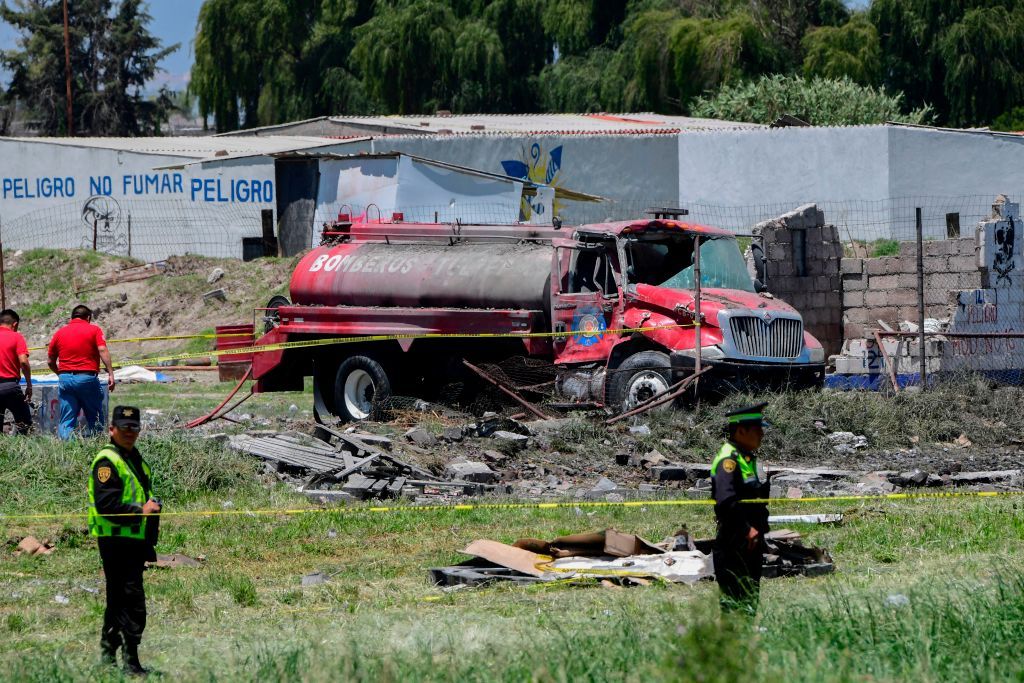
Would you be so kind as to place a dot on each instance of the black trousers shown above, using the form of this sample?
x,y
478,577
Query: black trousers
x,y
738,572
14,401
123,563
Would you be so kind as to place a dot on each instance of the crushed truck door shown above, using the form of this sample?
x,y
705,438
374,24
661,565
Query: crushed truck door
x,y
584,297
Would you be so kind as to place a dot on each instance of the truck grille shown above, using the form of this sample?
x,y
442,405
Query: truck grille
x,y
781,338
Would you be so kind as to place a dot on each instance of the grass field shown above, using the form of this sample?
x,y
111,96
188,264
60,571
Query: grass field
x,y
926,591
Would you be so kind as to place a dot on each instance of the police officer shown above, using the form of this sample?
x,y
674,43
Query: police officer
x,y
737,476
121,509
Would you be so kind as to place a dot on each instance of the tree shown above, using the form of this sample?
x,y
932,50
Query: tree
x,y
964,58
819,101
852,50
113,56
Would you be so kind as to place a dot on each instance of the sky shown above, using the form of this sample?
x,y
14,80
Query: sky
x,y
174,21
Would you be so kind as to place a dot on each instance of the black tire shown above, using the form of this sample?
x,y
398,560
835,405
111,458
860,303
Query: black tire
x,y
638,378
362,390
270,317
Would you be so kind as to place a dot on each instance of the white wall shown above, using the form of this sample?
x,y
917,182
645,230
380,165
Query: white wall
x,y
635,170
738,177
51,194
868,179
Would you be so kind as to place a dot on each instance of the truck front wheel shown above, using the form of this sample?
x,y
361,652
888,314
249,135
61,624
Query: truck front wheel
x,y
361,389
639,378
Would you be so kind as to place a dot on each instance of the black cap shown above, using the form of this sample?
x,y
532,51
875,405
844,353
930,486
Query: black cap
x,y
748,415
126,416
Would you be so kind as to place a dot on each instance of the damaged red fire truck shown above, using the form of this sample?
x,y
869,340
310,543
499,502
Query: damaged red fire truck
x,y
614,308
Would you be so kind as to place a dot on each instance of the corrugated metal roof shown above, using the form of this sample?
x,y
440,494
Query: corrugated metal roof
x,y
193,147
531,123
567,124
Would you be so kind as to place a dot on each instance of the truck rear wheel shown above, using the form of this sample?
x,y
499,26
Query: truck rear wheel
x,y
639,378
361,389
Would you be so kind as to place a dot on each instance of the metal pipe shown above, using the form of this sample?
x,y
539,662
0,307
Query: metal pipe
x,y
920,296
508,392
3,282
67,74
888,363
697,346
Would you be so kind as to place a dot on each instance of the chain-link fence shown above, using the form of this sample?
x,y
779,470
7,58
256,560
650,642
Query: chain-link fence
x,y
942,308
145,229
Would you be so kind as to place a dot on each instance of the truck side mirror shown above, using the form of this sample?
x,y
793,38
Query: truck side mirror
x,y
760,287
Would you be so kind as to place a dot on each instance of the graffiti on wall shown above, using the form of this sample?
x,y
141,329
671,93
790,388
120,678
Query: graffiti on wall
x,y
1002,260
105,229
538,167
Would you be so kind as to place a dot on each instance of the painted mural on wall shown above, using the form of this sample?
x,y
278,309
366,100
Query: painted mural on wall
x,y
538,167
105,229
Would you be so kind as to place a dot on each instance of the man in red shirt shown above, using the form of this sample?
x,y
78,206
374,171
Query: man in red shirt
x,y
75,354
13,364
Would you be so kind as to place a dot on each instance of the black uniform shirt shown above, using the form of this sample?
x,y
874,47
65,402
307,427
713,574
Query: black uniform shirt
x,y
108,492
728,489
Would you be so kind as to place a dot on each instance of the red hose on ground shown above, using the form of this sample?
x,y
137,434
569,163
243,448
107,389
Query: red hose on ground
x,y
212,415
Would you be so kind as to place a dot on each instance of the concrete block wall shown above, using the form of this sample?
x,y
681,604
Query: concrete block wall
x,y
812,285
885,288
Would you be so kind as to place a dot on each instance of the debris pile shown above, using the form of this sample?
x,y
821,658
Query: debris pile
x,y
615,557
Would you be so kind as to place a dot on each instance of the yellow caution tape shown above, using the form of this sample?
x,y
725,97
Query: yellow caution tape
x,y
175,337
468,507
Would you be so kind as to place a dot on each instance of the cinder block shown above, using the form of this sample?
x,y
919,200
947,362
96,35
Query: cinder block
x,y
963,263
853,299
876,297
851,266
908,249
935,248
967,247
777,252
853,283
970,280
936,264
835,283
885,282
813,234
936,296
830,233
855,314
908,265
876,266
853,331
906,280
904,297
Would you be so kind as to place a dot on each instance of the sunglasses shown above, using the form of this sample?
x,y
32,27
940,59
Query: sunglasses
x,y
131,429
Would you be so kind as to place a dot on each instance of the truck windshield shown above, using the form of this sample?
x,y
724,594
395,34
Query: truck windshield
x,y
668,262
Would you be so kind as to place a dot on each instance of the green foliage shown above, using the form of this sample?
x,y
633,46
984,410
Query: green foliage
x,y
884,247
1011,120
964,58
113,55
819,101
851,50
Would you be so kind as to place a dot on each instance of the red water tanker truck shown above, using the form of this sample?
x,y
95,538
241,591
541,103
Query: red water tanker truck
x,y
611,306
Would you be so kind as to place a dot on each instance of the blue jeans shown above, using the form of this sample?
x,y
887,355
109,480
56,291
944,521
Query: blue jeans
x,y
79,393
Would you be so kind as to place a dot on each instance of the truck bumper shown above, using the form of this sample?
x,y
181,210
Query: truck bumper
x,y
728,376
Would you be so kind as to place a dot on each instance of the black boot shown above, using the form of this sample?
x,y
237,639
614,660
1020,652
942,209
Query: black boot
x,y
108,648
132,667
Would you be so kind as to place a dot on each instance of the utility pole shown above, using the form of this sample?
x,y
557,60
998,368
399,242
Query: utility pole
x,y
67,71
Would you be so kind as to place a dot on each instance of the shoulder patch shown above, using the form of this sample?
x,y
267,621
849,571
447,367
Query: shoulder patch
x,y
729,465
103,474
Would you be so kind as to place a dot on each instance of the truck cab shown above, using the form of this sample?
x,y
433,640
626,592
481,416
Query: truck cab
x,y
639,276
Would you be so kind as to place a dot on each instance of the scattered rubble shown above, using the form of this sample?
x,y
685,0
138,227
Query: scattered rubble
x,y
611,557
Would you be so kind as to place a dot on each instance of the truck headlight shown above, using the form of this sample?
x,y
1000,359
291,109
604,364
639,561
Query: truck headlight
x,y
817,355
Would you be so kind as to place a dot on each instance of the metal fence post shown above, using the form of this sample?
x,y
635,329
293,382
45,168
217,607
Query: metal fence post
x,y
920,298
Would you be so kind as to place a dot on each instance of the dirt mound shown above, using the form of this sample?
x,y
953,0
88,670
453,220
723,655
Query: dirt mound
x,y
44,284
